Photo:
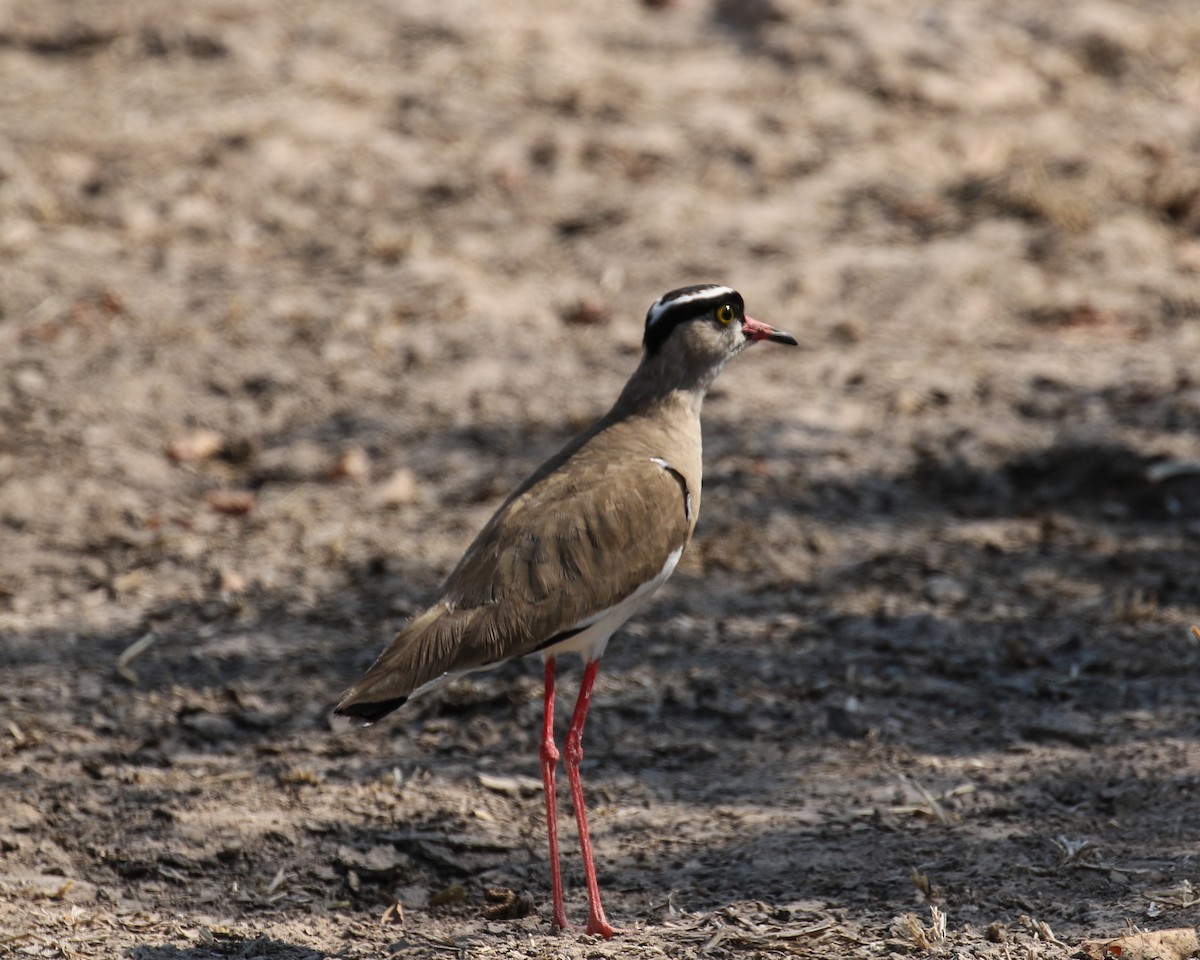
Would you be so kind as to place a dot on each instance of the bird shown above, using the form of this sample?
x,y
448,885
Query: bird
x,y
578,548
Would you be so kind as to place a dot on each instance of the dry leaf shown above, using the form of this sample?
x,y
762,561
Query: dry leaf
x,y
394,912
587,313
233,503
1178,944
195,446
510,786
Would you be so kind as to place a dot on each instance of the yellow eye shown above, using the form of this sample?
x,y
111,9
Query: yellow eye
x,y
725,313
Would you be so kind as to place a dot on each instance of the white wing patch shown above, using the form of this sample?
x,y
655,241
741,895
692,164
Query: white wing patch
x,y
687,494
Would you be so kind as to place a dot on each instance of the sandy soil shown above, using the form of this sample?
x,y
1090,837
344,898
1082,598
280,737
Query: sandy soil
x,y
292,293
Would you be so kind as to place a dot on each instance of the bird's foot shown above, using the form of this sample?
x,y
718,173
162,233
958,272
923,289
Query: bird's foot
x,y
596,927
599,927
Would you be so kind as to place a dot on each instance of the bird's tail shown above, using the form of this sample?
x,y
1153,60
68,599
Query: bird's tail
x,y
418,658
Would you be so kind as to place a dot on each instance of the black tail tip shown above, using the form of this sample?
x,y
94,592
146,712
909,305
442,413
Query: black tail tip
x,y
369,712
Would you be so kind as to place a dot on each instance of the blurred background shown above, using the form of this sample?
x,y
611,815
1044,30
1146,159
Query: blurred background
x,y
292,294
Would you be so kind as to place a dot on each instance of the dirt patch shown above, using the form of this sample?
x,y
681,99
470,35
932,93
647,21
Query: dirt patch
x,y
292,294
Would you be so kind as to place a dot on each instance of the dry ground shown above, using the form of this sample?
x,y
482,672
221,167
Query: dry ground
x,y
929,653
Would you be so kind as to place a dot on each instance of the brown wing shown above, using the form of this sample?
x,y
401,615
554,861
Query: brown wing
x,y
573,544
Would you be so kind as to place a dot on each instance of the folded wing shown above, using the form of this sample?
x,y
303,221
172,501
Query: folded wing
x,y
570,546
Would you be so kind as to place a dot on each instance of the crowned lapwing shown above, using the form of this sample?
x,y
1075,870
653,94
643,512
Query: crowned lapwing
x,y
580,546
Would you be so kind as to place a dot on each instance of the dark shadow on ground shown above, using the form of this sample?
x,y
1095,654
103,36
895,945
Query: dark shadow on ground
x,y
230,948
722,695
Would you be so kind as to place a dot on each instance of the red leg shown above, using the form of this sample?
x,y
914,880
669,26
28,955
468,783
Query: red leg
x,y
550,755
574,753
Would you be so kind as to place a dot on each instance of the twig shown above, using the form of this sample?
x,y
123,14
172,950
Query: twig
x,y
138,647
938,811
1169,469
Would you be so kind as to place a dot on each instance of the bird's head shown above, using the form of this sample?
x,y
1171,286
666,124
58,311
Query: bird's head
x,y
703,326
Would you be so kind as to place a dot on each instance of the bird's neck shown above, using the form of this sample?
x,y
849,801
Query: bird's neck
x,y
662,381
